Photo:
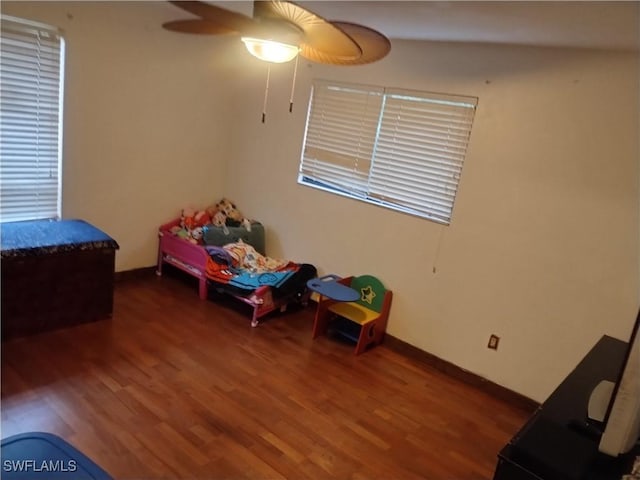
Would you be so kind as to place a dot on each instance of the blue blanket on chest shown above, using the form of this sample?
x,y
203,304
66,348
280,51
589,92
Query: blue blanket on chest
x,y
41,237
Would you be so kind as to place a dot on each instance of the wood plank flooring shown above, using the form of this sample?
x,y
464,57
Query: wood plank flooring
x,y
175,387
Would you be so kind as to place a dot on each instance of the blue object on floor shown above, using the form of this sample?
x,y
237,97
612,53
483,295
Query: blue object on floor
x,y
38,456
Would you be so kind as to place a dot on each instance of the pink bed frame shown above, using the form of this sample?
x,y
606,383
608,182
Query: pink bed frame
x,y
192,259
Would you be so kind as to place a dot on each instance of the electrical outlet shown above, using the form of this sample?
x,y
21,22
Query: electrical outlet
x,y
493,342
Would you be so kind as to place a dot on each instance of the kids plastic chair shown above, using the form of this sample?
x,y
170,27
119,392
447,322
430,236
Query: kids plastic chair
x,y
368,315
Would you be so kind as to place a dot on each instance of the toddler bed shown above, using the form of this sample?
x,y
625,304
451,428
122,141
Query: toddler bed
x,y
214,258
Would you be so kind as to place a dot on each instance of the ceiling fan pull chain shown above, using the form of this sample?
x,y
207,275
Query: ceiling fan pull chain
x,y
293,85
266,94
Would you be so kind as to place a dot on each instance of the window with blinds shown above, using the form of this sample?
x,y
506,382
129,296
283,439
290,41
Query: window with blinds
x,y
31,78
397,148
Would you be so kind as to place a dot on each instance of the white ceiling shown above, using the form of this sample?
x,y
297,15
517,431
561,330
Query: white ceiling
x,y
609,25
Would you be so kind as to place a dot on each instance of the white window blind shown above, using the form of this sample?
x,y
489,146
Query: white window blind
x,y
341,136
31,66
396,148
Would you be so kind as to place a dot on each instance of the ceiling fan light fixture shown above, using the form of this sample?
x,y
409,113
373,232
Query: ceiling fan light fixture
x,y
270,50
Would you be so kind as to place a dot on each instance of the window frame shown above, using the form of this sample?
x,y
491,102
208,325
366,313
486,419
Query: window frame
x,y
344,104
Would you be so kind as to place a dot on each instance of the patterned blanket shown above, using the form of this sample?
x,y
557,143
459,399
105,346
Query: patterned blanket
x,y
240,265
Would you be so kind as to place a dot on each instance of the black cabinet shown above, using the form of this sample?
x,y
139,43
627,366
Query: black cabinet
x,y
552,445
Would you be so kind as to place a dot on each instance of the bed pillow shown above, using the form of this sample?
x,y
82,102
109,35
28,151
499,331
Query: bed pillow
x,y
216,236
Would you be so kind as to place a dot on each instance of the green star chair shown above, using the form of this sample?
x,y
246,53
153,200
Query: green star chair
x,y
368,314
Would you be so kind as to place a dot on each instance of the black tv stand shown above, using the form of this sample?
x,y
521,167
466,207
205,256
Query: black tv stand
x,y
587,428
558,443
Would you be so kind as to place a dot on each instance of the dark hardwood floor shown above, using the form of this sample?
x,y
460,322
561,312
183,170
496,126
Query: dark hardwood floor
x,y
175,387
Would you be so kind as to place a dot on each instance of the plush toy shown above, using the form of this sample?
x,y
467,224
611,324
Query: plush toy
x,y
233,214
196,235
191,223
201,218
187,218
212,210
219,219
182,233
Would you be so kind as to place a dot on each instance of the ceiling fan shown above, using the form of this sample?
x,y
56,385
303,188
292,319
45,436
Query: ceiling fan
x,y
280,30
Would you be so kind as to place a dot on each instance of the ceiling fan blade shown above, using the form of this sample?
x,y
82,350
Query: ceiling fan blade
x,y
221,16
374,46
198,26
319,35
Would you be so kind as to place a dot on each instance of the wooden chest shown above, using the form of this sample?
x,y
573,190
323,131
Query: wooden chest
x,y
55,274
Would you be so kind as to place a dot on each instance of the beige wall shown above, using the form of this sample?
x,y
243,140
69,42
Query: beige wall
x,y
144,118
543,246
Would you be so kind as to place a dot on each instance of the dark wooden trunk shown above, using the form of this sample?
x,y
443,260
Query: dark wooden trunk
x,y
51,291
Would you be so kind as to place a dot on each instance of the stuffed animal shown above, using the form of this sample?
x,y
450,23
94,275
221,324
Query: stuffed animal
x,y
196,235
201,218
217,216
191,223
187,218
219,219
182,233
234,217
212,210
